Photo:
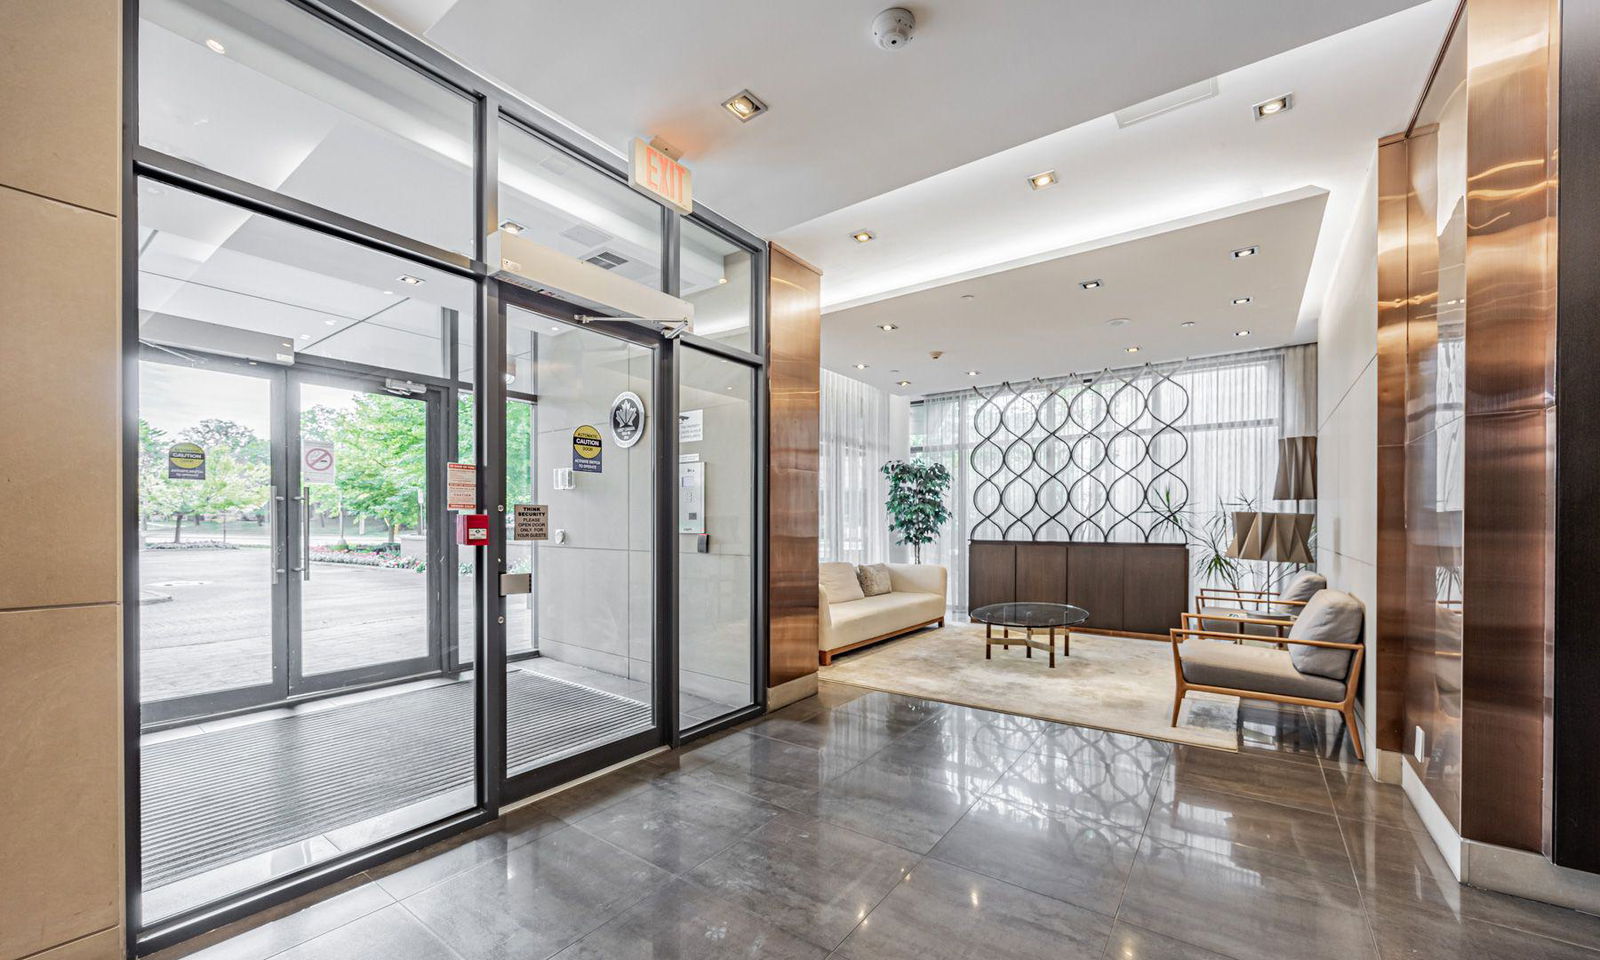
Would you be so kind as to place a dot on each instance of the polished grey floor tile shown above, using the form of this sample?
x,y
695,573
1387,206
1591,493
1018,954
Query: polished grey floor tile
x,y
893,709
1411,934
986,727
1402,869
1280,781
909,812
392,933
418,871
1087,743
1080,861
964,763
1284,731
537,899
684,922
1194,815
1245,903
1356,796
830,695
679,824
292,929
944,911
1111,793
1129,942
839,731
810,877
585,798
776,770
699,753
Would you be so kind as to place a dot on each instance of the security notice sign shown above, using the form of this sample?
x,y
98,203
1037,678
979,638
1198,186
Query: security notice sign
x,y
317,464
461,486
186,461
530,521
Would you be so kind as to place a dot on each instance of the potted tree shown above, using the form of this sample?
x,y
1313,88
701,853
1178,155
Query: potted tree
x,y
916,501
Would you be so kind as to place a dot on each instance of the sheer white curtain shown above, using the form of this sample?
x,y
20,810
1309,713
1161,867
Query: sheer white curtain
x,y
1235,407
856,437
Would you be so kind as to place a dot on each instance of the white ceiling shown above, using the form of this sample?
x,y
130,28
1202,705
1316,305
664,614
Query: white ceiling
x,y
848,120
1035,320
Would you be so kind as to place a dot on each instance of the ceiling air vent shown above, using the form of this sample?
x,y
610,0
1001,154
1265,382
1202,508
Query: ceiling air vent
x,y
1167,102
606,260
585,236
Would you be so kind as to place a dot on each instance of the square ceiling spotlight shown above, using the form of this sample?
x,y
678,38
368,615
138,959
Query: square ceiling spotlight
x,y
744,105
1041,180
1274,106
1243,252
1091,284
862,236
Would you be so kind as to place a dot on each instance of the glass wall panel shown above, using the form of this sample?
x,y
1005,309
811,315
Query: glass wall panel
x,y
716,535
590,618
715,275
270,94
302,694
552,199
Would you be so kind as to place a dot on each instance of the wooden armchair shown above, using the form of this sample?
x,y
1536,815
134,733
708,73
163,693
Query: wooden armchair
x,y
1257,613
1311,672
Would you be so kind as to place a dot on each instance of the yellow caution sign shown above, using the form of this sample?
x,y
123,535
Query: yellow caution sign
x,y
586,450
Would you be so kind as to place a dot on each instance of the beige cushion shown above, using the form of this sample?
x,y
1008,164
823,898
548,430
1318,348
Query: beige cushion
x,y
878,616
1331,615
1220,619
1219,663
874,578
1303,585
918,578
839,582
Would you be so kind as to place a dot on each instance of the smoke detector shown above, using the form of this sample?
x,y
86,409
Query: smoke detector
x,y
935,354
892,28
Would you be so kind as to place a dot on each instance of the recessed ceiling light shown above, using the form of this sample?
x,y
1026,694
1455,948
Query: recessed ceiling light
x,y
1241,333
408,278
903,383
861,366
862,236
972,373
744,105
1118,322
722,280
215,45
305,336
1243,252
1041,180
1131,349
1187,323
1090,284
968,296
1240,301
330,323
512,227
886,327
1267,108
555,328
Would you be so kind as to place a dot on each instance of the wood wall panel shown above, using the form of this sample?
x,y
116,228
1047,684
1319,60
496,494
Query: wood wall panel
x,y
1155,588
1042,572
1095,583
992,574
794,310
1394,184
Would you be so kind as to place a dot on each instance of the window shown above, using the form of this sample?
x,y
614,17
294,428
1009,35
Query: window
x,y
714,274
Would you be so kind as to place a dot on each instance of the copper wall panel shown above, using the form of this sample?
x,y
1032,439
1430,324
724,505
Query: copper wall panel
x,y
1387,715
1510,356
794,306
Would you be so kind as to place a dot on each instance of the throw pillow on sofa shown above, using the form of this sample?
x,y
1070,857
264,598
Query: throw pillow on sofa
x,y
839,582
874,578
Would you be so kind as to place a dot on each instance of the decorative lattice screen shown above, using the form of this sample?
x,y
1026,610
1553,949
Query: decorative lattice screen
x,y
1081,458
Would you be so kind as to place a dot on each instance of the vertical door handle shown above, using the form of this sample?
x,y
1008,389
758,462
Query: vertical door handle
x,y
274,534
303,504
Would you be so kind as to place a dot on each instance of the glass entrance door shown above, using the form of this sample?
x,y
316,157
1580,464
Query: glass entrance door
x,y
294,534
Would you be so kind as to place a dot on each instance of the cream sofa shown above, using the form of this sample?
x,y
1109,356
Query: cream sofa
x,y
848,620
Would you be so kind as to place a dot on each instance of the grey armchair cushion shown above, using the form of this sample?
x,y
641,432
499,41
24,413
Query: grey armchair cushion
x,y
1231,666
1303,585
1331,615
874,579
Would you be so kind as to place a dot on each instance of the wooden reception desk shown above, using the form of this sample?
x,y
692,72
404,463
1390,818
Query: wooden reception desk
x,y
1126,587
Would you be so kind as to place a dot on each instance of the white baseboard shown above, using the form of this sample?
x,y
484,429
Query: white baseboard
x,y
1385,765
1433,817
1523,873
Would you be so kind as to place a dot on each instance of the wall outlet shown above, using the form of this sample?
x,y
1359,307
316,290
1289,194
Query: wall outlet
x,y
1421,749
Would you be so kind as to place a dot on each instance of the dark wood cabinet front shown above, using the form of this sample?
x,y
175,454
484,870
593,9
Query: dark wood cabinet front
x,y
1127,587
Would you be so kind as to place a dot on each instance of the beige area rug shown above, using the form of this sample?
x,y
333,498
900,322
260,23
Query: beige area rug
x,y
1114,683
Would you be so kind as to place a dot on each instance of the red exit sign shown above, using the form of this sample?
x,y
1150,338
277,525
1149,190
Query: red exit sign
x,y
652,172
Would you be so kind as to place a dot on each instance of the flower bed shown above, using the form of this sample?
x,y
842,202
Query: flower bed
x,y
189,545
367,558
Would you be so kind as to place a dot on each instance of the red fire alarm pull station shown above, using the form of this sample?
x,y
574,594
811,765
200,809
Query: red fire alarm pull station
x,y
472,529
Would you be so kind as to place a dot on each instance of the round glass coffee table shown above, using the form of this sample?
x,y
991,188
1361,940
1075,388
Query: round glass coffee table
x,y
1028,617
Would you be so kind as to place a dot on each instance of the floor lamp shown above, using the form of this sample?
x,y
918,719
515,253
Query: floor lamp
x,y
1281,537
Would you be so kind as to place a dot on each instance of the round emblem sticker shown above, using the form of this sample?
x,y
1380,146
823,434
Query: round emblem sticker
x,y
627,419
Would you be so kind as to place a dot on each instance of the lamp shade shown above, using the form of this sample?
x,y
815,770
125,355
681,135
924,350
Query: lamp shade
x,y
1284,537
1297,469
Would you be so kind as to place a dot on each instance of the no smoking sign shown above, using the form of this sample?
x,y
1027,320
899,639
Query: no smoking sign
x,y
317,462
